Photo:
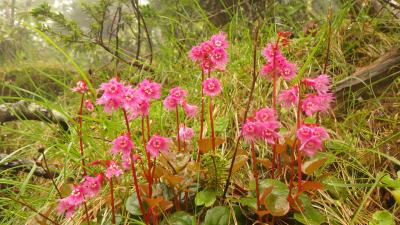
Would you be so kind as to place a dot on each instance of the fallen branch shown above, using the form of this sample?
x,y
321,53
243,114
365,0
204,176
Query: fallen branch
x,y
25,110
25,165
376,76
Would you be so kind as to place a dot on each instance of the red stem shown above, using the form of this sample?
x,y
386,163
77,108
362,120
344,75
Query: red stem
x,y
212,125
292,168
127,123
255,173
135,181
177,128
112,201
274,105
149,178
298,146
213,140
148,126
201,116
81,135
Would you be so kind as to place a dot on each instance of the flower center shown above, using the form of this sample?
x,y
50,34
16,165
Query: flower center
x,y
113,89
218,43
211,86
148,90
310,145
156,144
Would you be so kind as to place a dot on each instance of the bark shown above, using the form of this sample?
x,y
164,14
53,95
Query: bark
x,y
24,110
374,77
25,165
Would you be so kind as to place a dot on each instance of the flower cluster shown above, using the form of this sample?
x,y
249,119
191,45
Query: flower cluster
x,y
175,98
321,100
211,54
185,133
311,137
80,193
264,126
136,101
124,145
81,87
157,144
277,64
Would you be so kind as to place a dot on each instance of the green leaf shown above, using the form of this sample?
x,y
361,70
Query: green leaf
x,y
132,205
335,187
217,216
310,216
250,202
278,205
206,197
382,217
391,182
279,187
396,195
179,218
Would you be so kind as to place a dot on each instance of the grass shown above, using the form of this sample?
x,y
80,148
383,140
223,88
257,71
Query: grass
x,y
365,138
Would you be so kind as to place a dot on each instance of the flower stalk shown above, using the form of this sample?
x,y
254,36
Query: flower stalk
x,y
81,134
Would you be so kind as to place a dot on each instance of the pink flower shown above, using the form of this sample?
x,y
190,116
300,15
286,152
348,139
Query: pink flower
x,y
317,103
142,107
287,70
289,97
109,104
196,54
113,170
206,47
266,114
250,131
122,144
305,132
89,105
150,90
219,40
185,133
77,195
92,185
320,132
207,65
268,131
311,137
311,146
219,57
157,144
129,97
190,110
170,103
178,93
277,62
64,206
80,87
267,69
270,50
321,83
325,101
212,86
112,88
113,95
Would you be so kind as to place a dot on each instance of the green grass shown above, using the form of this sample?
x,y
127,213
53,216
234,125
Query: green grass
x,y
364,141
